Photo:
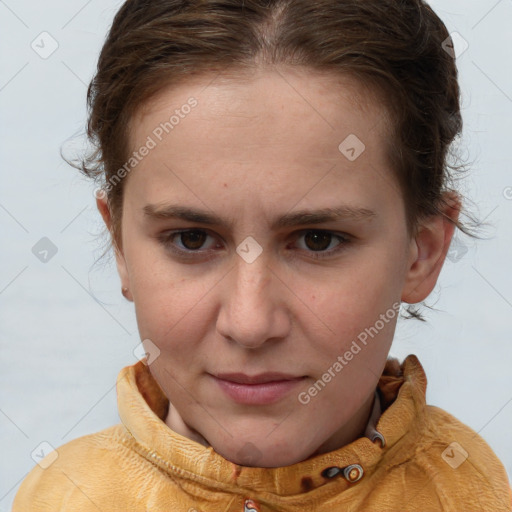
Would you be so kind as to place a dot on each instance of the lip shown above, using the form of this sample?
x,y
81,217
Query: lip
x,y
265,388
261,378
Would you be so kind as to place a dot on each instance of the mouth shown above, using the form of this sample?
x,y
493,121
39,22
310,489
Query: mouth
x,y
262,389
262,378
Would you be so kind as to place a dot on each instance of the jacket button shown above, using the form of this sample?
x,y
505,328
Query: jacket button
x,y
251,506
353,473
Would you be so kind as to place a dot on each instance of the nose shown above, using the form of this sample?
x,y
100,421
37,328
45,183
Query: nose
x,y
253,305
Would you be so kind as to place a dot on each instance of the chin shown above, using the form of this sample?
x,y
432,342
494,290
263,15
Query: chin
x,y
255,454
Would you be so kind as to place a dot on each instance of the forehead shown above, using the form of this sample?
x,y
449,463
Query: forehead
x,y
273,132
266,94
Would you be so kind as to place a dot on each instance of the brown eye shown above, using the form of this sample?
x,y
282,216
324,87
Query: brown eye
x,y
194,245
317,243
192,240
317,240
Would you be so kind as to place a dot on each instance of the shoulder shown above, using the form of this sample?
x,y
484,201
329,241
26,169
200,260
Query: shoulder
x,y
461,444
457,466
80,474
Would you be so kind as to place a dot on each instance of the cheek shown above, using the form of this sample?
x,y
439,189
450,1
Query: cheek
x,y
356,297
357,310
169,301
353,358
171,314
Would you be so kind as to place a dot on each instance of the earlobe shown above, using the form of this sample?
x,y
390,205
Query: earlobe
x,y
428,251
122,269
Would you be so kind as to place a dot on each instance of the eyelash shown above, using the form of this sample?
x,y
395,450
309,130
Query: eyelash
x,y
166,239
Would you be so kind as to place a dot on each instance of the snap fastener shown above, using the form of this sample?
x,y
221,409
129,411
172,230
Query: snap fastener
x,y
251,506
331,472
380,437
353,473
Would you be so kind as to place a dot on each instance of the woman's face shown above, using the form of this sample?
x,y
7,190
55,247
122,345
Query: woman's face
x,y
293,249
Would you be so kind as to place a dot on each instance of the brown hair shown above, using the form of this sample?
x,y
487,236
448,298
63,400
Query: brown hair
x,y
395,47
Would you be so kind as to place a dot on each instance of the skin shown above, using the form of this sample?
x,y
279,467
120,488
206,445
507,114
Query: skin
x,y
258,146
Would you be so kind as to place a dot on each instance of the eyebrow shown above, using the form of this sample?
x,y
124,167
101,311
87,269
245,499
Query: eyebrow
x,y
166,212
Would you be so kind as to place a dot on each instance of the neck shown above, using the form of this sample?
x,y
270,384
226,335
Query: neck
x,y
175,422
351,431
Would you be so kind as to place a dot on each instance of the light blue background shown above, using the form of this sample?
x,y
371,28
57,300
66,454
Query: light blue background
x,y
65,329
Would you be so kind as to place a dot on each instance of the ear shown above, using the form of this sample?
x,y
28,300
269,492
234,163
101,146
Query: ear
x,y
428,250
102,205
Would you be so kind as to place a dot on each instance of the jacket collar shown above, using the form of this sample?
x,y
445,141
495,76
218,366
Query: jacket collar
x,y
143,408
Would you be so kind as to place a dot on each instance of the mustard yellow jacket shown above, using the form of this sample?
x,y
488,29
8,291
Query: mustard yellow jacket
x,y
415,457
